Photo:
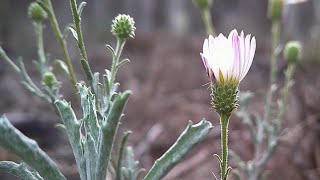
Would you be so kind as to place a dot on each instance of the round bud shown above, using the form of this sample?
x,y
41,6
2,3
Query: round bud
x,y
275,9
123,26
292,51
49,79
36,13
202,4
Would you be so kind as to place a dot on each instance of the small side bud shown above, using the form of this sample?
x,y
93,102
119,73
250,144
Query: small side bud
x,y
275,9
49,79
36,13
292,52
123,26
202,4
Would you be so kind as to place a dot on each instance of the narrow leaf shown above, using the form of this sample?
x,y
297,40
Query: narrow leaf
x,y
19,170
109,129
13,140
188,139
73,130
74,33
80,8
62,65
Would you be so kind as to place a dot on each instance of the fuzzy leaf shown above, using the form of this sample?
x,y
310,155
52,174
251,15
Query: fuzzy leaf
x,y
19,170
187,140
13,140
74,33
73,130
108,130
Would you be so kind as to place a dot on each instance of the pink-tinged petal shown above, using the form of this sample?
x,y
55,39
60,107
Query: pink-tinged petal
x,y
242,54
246,55
228,59
250,59
232,33
236,61
252,48
205,61
205,47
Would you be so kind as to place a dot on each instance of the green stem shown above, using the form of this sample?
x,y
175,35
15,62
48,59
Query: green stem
x,y
41,54
61,40
4,55
114,68
284,94
275,33
224,121
39,34
207,20
77,23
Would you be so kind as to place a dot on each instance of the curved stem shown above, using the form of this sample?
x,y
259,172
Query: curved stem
x,y
224,121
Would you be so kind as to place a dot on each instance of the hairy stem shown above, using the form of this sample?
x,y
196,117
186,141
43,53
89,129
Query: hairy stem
x,y
275,33
39,34
48,7
114,68
224,121
4,55
77,23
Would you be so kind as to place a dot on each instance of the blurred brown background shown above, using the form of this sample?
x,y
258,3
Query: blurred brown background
x,y
167,77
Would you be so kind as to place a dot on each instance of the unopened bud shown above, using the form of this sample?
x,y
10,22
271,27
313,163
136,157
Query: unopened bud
x,y
292,52
275,9
202,4
49,79
123,26
36,13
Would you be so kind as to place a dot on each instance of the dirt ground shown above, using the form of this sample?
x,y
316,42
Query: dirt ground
x,y
167,77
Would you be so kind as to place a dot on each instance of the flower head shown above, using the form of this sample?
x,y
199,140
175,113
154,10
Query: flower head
x,y
292,52
36,13
123,26
228,60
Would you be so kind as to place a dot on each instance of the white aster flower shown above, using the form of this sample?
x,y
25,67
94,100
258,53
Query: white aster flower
x,y
228,60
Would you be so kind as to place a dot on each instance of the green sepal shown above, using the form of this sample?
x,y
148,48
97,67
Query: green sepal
x,y
224,97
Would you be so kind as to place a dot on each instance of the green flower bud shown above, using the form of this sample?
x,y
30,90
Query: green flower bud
x,y
202,4
275,9
36,13
123,26
292,52
224,97
49,79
